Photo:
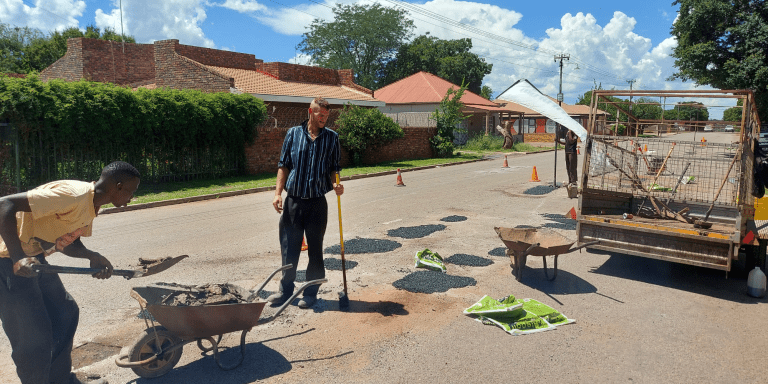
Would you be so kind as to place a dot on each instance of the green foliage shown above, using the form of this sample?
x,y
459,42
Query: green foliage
x,y
28,50
734,114
486,92
724,43
361,37
618,130
81,126
448,59
689,110
364,129
448,116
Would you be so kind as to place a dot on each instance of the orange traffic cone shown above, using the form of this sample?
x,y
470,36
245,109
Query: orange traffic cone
x,y
571,214
645,148
578,150
534,175
304,245
399,179
505,165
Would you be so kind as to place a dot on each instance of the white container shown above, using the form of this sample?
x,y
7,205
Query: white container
x,y
756,283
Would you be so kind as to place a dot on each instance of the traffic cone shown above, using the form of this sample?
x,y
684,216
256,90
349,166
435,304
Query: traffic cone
x,y
578,150
571,214
304,245
645,148
505,165
534,175
399,179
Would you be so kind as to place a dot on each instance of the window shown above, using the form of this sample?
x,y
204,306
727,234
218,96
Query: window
x,y
531,125
551,126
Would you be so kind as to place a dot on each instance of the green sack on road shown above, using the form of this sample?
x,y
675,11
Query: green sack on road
x,y
430,260
517,317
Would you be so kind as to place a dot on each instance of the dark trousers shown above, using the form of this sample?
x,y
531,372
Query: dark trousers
x,y
40,318
571,161
303,217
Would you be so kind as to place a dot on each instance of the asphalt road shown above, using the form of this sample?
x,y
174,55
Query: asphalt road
x,y
637,320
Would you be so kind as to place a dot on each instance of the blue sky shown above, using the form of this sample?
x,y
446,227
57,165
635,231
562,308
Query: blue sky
x,y
609,41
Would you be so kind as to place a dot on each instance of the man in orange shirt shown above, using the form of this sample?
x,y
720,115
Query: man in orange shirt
x,y
38,315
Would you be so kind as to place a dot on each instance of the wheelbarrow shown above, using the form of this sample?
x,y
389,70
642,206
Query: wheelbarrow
x,y
524,242
157,350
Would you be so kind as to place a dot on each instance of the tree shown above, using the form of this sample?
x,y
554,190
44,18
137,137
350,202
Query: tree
x,y
13,42
486,92
724,43
363,38
448,116
365,129
448,59
689,110
734,114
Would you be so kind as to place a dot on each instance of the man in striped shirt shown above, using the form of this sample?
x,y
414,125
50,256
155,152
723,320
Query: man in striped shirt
x,y
306,171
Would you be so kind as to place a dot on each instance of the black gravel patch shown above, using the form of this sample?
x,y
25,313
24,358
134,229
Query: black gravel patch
x,y
500,251
453,219
360,246
560,222
335,264
525,226
144,314
416,232
264,294
301,276
539,190
432,282
468,260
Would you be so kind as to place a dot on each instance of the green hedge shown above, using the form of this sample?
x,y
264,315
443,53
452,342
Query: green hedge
x,y
72,129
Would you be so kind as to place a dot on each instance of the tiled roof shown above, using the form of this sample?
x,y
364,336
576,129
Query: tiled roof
x,y
426,88
257,82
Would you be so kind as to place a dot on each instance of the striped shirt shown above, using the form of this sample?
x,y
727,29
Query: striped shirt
x,y
310,163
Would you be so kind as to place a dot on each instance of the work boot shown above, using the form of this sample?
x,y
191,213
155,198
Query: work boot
x,y
307,301
278,298
87,379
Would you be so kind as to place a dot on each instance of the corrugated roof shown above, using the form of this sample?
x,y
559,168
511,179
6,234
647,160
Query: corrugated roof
x,y
257,82
426,88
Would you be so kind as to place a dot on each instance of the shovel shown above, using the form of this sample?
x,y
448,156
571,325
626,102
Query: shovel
x,y
343,298
147,269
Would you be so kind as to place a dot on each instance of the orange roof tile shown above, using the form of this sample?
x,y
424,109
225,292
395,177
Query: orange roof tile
x,y
257,82
426,88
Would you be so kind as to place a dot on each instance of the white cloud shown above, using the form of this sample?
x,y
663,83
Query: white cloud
x,y
151,20
243,6
45,15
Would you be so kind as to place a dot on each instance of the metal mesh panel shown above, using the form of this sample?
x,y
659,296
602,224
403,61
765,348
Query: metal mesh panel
x,y
677,170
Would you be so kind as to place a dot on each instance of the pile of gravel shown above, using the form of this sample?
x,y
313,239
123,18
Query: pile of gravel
x,y
453,219
335,264
415,232
539,190
500,251
468,260
431,282
359,246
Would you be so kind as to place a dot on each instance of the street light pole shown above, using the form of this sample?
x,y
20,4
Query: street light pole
x,y
560,57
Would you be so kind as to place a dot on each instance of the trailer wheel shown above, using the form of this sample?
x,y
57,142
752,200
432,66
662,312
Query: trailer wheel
x,y
151,342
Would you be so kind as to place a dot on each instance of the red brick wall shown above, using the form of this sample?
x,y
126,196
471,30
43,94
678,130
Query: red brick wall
x,y
218,58
103,61
539,137
178,72
263,155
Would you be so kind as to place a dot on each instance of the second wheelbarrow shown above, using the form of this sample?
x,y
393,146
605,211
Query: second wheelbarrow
x,y
524,242
159,348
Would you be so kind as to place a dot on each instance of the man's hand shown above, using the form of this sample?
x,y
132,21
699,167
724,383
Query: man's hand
x,y
277,202
100,262
339,189
23,267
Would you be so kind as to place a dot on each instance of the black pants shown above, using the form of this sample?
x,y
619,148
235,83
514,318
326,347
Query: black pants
x,y
571,161
303,217
40,318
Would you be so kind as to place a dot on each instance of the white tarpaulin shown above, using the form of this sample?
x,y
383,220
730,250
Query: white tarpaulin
x,y
525,94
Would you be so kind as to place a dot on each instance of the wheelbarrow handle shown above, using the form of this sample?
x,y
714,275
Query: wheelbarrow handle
x,y
255,292
583,246
289,301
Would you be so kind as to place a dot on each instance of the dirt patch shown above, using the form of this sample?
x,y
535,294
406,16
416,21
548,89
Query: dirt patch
x,y
91,353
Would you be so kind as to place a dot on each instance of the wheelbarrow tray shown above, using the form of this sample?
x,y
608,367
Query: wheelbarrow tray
x,y
195,322
520,239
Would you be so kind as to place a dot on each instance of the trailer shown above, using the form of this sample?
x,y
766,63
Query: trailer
x,y
657,188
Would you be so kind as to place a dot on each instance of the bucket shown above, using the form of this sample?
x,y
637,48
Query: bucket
x,y
756,283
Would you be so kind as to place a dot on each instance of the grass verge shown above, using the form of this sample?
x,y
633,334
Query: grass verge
x,y
148,193
482,143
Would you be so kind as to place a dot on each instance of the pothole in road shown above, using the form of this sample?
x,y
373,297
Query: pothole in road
x,y
432,282
539,190
500,251
91,353
416,232
453,219
468,260
361,245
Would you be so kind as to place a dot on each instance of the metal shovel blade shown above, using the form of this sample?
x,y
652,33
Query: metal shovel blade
x,y
151,267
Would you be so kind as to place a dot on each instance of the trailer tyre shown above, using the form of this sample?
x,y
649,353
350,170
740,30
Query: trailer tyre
x,y
151,342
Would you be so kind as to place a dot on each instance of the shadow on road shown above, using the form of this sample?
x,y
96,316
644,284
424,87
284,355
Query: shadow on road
x,y
566,283
704,281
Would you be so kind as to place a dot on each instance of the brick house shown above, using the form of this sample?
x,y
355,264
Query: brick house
x,y
417,96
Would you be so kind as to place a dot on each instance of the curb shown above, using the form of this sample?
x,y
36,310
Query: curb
x,y
192,199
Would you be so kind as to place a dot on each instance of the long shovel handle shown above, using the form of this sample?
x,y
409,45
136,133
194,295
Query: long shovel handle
x,y
47,268
341,240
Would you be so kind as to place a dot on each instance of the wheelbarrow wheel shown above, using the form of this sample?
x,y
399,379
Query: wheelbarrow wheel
x,y
152,342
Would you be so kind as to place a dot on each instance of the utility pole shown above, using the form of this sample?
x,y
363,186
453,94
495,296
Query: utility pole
x,y
559,57
629,117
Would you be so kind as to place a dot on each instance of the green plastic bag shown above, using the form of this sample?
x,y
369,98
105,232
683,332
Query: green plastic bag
x,y
517,317
430,260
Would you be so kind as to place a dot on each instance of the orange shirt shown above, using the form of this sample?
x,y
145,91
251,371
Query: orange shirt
x,y
62,211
